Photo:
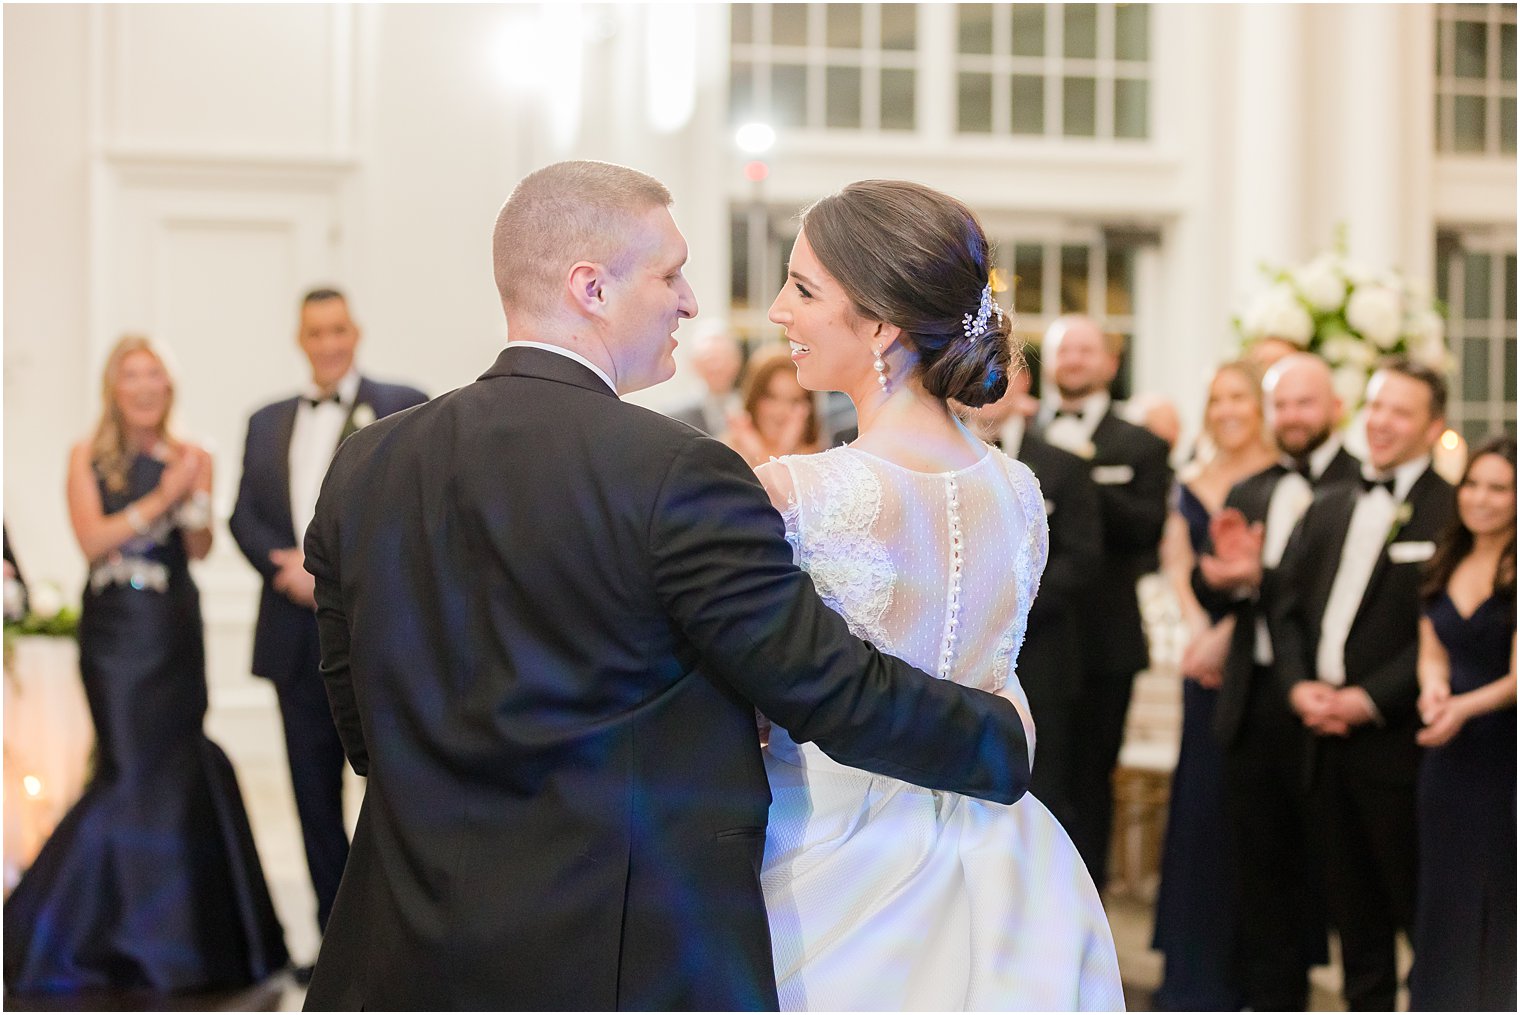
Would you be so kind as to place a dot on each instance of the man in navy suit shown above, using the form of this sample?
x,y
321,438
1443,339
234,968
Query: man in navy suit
x,y
290,444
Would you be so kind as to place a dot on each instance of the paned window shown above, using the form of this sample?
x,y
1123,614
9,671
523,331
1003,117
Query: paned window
x,y
824,66
1053,70
1475,79
1476,281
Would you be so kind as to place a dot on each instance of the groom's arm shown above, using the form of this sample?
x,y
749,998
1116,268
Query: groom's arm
x,y
332,625
724,571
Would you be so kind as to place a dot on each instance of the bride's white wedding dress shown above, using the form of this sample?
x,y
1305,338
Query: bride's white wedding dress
x,y
884,895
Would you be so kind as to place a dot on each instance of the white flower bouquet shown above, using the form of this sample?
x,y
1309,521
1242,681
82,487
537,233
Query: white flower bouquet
x,y
1349,315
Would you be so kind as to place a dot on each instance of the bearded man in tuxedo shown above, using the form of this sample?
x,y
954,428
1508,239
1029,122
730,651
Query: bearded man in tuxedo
x,y
548,616
1282,930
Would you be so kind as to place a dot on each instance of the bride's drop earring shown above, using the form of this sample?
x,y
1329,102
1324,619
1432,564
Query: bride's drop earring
x,y
881,371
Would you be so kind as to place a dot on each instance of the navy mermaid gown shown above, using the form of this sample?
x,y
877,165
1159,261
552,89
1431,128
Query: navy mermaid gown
x,y
151,880
1196,905
1464,934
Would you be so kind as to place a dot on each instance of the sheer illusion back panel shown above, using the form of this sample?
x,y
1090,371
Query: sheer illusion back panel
x,y
938,569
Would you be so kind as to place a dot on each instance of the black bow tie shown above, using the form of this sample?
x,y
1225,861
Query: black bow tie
x,y
1300,466
334,398
1368,485
1068,414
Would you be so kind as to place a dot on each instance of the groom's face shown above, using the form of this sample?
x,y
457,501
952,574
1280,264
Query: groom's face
x,y
648,299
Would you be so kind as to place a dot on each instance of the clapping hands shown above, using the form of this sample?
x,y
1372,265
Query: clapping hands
x,y
185,472
1235,564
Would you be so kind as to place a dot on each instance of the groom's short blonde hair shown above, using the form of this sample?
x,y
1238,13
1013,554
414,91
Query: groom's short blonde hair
x,y
561,214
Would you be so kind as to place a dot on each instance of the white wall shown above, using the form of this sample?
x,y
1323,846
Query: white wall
x,y
191,169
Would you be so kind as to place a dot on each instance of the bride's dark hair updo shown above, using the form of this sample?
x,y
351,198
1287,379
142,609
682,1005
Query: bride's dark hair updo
x,y
910,256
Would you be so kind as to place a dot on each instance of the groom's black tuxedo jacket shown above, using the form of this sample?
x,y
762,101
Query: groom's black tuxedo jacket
x,y
1383,647
547,618
1252,497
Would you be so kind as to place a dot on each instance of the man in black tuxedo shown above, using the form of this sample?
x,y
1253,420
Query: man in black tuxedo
x,y
1346,622
1048,665
548,617
290,443
1128,465
1282,931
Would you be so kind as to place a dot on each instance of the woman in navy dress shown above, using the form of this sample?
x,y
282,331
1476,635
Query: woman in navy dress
x,y
151,880
1464,933
1196,909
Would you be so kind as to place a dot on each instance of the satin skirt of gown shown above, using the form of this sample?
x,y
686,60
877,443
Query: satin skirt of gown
x,y
887,896
152,880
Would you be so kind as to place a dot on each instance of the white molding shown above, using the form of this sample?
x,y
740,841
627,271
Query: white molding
x,y
1474,189
111,38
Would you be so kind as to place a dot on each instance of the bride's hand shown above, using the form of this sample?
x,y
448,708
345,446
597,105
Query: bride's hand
x,y
1024,716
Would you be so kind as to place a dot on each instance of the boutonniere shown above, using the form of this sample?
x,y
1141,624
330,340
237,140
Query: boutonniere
x,y
1400,519
363,415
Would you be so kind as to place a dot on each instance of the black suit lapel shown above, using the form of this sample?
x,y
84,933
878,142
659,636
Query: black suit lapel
x,y
1258,495
364,396
1344,467
284,429
1412,505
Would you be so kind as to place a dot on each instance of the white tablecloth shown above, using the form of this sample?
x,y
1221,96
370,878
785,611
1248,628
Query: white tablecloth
x,y
48,740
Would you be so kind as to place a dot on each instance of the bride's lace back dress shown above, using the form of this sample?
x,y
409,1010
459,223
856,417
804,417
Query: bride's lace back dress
x,y
884,895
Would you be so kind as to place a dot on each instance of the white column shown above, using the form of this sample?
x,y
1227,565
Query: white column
x,y
1369,157
1271,156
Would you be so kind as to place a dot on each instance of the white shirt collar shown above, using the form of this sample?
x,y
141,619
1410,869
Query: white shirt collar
x,y
348,387
568,354
1320,457
1404,476
1093,408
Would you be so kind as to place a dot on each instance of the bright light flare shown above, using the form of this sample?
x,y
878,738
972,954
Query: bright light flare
x,y
755,138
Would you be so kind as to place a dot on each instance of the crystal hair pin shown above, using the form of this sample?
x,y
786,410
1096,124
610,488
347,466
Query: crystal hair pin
x,y
975,327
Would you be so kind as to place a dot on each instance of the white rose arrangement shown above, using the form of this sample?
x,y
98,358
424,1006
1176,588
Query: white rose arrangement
x,y
1349,315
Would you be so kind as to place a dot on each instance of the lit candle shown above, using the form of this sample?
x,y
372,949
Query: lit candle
x,y
1449,457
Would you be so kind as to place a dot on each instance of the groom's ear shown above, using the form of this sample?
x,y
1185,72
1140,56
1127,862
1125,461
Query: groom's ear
x,y
586,283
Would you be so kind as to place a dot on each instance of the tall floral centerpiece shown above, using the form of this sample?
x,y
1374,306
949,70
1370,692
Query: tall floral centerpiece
x,y
1349,315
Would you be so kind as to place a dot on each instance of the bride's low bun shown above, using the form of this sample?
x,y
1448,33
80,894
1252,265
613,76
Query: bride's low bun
x,y
974,373
913,257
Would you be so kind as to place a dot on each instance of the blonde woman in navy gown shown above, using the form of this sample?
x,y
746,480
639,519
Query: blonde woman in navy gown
x,y
1197,905
1464,928
151,881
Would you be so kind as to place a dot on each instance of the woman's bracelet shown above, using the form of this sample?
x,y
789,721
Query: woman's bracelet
x,y
195,512
135,519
